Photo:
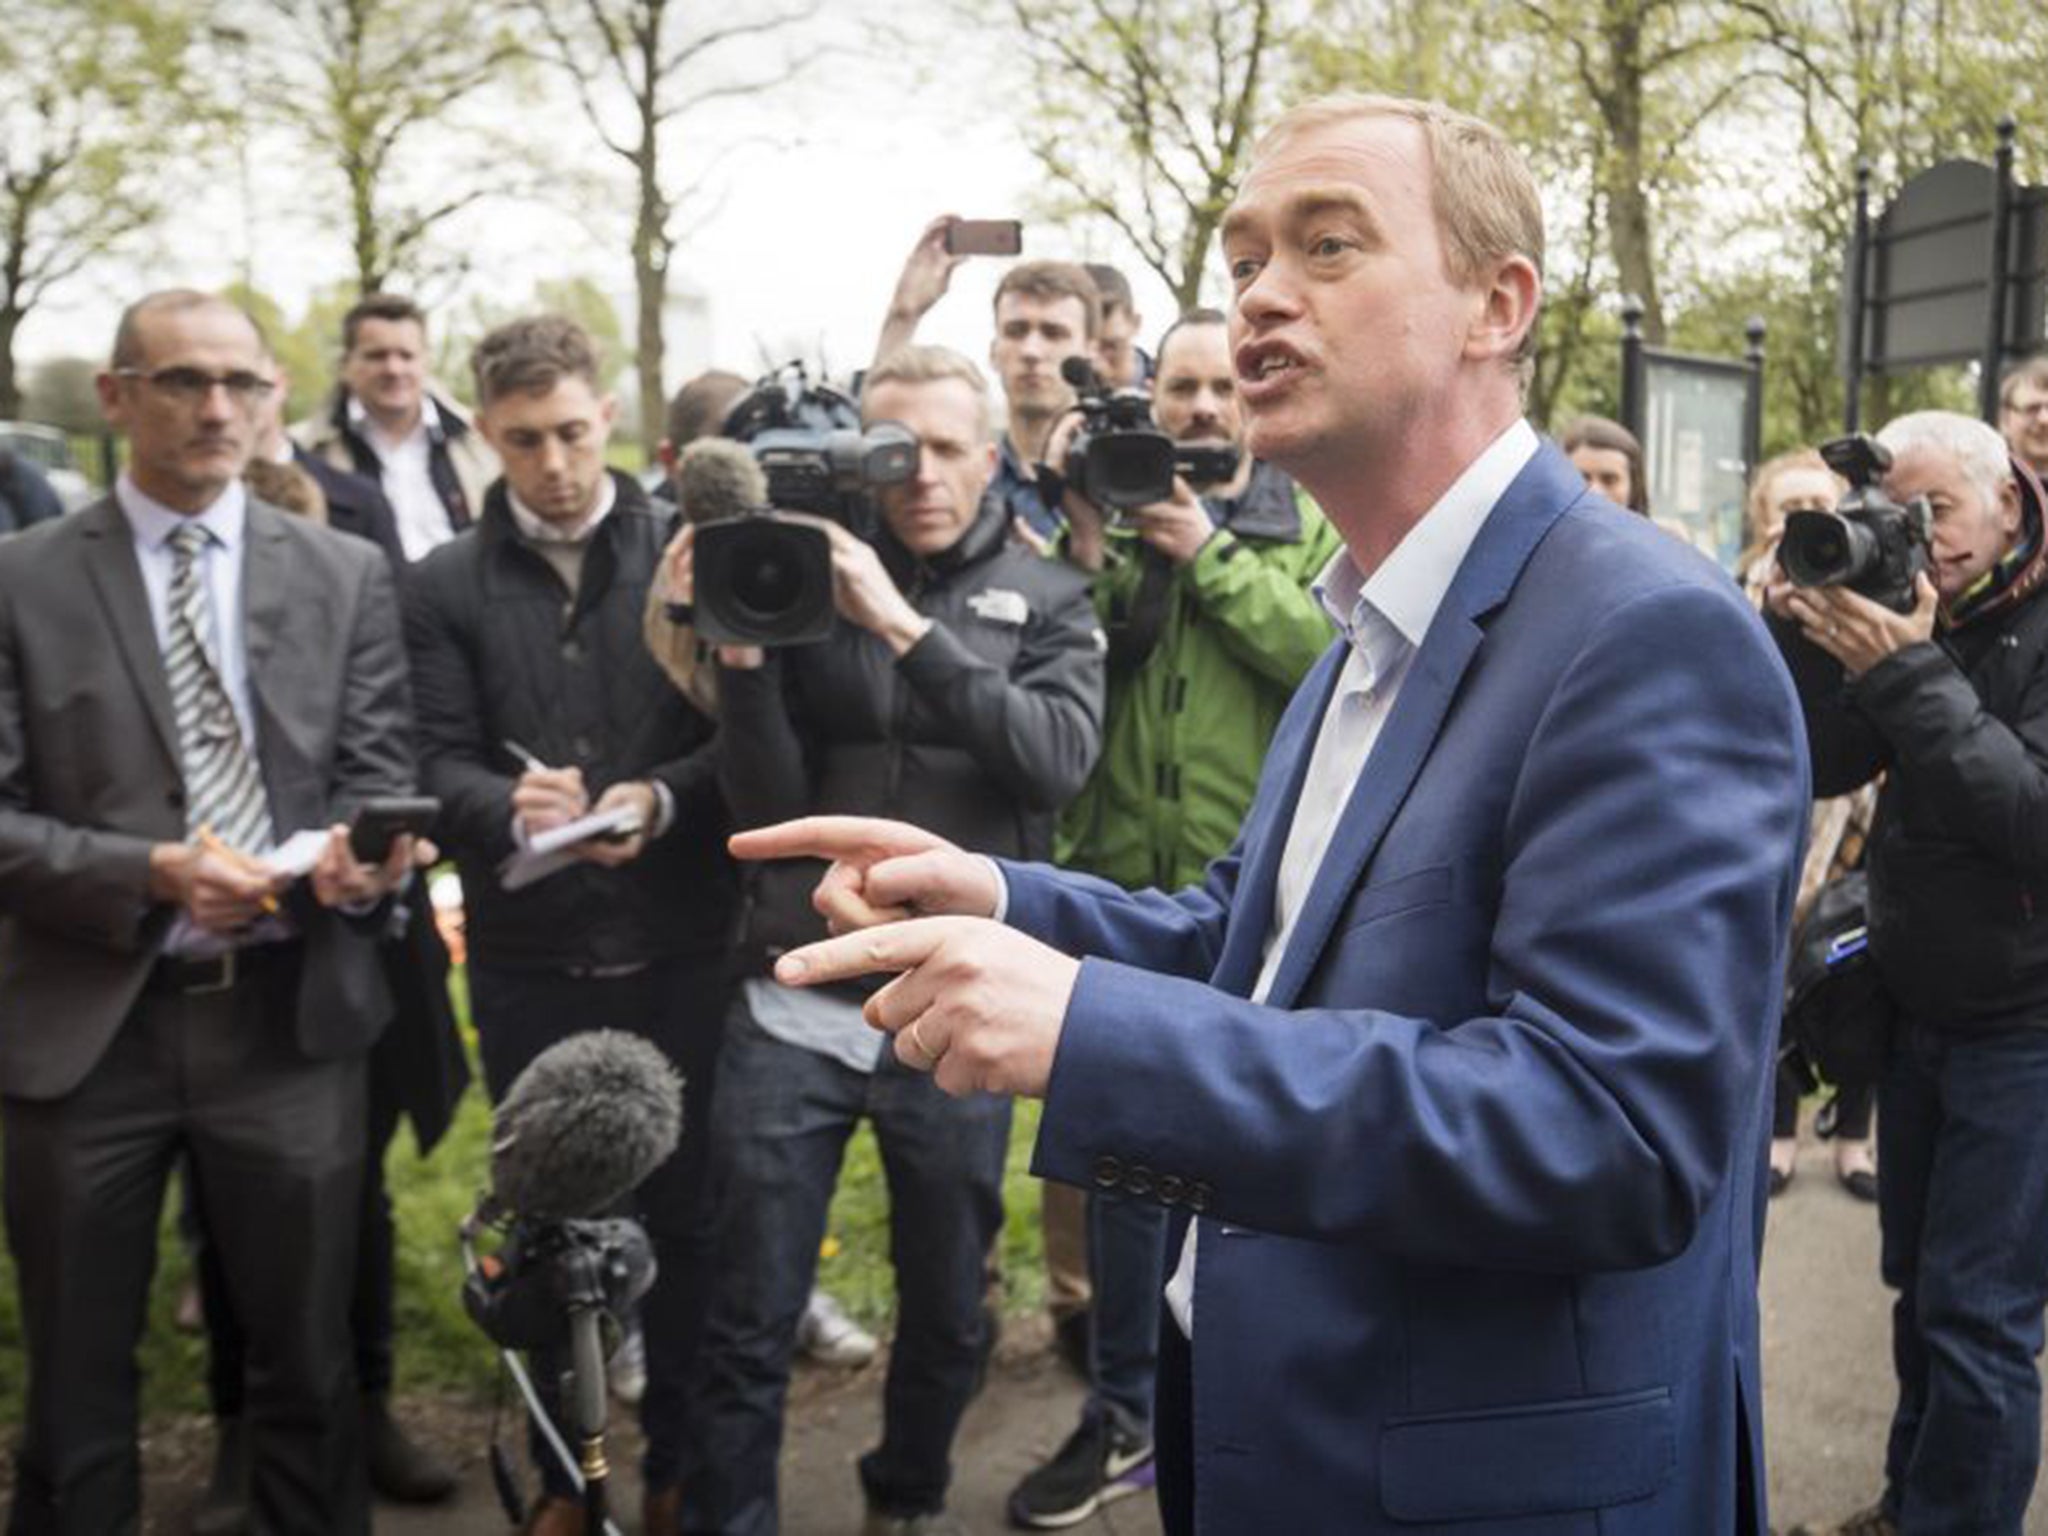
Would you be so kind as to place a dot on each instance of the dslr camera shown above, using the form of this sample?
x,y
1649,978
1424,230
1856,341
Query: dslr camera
x,y
1870,544
1119,459
763,579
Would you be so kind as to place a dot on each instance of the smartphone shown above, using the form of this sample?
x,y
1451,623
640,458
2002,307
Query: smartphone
x,y
377,824
984,237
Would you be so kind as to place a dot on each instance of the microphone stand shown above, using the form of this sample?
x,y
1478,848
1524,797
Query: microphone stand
x,y
579,1273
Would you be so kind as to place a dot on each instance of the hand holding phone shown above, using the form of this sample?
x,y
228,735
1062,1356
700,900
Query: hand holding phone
x,y
379,823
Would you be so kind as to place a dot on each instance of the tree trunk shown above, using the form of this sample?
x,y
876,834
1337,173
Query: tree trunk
x,y
650,286
10,385
1629,231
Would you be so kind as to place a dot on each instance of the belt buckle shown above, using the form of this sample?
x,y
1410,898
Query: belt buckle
x,y
224,978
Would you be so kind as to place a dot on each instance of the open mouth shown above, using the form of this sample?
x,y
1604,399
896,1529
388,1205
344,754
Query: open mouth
x,y
1265,363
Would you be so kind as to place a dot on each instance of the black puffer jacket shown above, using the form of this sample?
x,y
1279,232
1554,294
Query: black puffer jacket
x,y
980,733
1958,856
498,653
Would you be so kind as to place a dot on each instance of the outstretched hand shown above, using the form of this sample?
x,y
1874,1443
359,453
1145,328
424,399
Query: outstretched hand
x,y
881,871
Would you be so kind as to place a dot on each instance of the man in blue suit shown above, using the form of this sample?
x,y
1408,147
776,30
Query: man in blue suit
x,y
1455,1070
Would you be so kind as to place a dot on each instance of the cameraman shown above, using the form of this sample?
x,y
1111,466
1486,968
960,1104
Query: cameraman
x,y
1950,703
1211,621
961,689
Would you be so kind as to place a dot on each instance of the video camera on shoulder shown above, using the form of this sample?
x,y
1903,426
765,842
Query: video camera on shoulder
x,y
1119,459
765,579
1870,544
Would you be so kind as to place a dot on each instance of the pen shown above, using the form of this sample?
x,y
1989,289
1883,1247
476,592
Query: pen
x,y
532,763
215,846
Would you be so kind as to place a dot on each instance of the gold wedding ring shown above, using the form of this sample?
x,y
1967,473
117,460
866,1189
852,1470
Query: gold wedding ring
x,y
931,1057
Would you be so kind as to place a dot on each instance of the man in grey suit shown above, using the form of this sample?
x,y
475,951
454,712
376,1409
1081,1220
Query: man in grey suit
x,y
187,678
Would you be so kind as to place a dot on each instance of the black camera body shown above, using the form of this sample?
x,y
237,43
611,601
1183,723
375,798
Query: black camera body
x,y
764,579
1119,459
1870,544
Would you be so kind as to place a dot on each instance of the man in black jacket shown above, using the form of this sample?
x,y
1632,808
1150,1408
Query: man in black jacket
x,y
538,703
961,690
1950,703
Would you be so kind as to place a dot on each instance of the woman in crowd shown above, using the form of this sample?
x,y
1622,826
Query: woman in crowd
x,y
1802,482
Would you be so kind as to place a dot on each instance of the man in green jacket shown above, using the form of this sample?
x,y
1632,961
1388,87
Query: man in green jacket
x,y
1206,600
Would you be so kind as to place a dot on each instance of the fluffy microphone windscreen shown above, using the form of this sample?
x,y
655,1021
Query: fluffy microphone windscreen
x,y
589,1118
718,478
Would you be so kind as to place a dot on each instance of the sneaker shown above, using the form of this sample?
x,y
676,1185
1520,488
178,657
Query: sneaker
x,y
627,1373
1101,1462
830,1337
1865,1522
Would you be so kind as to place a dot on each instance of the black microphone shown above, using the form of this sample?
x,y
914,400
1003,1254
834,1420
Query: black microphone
x,y
589,1118
718,478
1080,375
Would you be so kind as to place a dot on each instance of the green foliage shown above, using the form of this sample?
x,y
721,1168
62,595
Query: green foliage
x,y
371,91
94,115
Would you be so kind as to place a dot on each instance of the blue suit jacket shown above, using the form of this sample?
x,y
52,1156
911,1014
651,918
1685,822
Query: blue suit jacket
x,y
1481,1181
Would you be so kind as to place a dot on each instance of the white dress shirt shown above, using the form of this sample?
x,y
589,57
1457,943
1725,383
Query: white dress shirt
x,y
406,471
1384,618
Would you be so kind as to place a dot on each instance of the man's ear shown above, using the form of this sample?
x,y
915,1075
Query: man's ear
x,y
2009,518
108,388
1511,297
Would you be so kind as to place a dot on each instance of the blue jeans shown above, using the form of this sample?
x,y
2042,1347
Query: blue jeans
x,y
679,1004
1127,1272
1962,1132
778,1132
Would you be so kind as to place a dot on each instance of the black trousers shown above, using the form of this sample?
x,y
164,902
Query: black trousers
x,y
275,1145
372,1297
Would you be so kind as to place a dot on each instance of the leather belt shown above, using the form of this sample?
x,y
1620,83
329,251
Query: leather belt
x,y
216,973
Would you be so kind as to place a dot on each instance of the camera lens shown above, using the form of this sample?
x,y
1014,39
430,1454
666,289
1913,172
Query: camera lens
x,y
1824,549
766,582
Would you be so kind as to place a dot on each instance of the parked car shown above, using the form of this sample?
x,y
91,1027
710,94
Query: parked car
x,y
50,451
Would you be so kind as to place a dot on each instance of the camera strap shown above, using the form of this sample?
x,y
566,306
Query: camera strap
x,y
1134,628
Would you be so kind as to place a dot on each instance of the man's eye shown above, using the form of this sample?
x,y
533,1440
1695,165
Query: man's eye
x,y
1244,269
1327,245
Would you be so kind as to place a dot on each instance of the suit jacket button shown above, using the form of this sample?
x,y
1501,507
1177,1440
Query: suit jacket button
x,y
1139,1180
175,799
1198,1197
1170,1189
1108,1172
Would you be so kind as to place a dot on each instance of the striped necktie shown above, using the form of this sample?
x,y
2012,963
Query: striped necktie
x,y
223,789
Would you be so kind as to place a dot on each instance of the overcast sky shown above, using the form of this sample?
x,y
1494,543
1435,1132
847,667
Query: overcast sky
x,y
823,189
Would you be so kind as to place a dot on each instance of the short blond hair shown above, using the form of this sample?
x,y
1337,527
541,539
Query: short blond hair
x,y
1487,205
917,364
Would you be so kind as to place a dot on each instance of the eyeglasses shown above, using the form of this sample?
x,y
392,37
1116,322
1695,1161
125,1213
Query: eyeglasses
x,y
192,385
2030,408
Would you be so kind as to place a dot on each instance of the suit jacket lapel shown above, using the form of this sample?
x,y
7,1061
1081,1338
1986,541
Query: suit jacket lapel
x,y
117,581
264,583
1511,532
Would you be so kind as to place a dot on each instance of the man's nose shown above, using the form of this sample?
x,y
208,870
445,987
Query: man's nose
x,y
1270,295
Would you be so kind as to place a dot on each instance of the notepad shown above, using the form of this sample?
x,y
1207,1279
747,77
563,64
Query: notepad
x,y
555,849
